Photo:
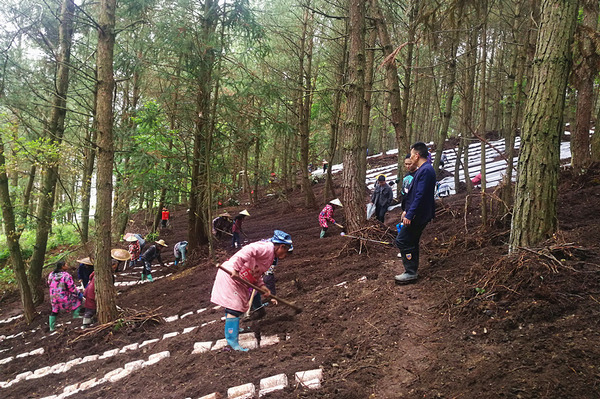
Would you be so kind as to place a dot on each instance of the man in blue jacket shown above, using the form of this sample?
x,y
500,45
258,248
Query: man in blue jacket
x,y
418,211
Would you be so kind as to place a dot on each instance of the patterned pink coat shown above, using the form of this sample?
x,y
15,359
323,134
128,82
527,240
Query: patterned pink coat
x,y
326,215
63,294
251,262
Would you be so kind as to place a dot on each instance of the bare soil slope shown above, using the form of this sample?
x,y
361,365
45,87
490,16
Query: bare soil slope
x,y
477,324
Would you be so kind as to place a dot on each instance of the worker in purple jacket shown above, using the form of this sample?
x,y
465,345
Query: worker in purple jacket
x,y
418,211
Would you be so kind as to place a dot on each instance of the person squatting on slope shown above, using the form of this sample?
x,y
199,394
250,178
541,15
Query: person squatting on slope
x,y
249,264
419,210
63,293
180,250
153,252
236,229
326,215
382,198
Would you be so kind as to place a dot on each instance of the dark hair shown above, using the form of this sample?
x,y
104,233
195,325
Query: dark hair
x,y
407,156
381,178
59,266
420,148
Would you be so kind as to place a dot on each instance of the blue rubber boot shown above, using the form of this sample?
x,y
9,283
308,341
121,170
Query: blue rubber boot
x,y
232,332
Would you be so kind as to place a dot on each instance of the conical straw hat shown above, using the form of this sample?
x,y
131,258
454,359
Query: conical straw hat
x,y
120,254
86,261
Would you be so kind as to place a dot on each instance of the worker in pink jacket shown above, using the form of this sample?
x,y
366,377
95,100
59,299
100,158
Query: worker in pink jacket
x,y
250,263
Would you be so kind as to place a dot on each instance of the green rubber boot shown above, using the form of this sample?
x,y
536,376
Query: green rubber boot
x,y
143,277
150,278
52,322
76,313
322,234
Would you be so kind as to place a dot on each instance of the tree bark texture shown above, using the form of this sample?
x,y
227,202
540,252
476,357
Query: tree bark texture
x,y
12,240
56,129
392,83
305,103
199,214
585,72
353,183
105,291
534,216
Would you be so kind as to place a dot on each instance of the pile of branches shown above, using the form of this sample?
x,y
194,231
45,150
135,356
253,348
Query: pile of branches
x,y
128,319
376,233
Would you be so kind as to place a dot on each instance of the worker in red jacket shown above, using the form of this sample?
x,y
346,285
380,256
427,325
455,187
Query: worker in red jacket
x,y
165,217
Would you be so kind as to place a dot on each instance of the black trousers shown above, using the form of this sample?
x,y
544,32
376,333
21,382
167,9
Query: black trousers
x,y
407,242
380,211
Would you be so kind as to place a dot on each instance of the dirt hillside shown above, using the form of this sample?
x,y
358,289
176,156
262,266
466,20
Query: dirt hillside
x,y
477,324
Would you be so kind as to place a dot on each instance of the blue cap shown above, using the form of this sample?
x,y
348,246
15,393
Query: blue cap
x,y
281,237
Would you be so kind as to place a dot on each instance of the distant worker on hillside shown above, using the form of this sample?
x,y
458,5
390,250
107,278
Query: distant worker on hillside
x,y
165,216
63,293
443,160
153,252
325,165
419,210
134,249
248,264
476,180
180,250
236,229
326,216
382,198
222,224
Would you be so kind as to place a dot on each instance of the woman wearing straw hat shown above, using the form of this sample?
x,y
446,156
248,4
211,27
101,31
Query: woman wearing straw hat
x,y
85,269
149,255
119,256
326,215
236,229
134,249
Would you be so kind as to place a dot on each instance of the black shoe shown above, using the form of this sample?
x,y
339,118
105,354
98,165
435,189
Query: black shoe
x,y
406,278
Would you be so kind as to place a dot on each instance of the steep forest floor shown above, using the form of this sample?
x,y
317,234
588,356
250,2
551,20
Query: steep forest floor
x,y
478,323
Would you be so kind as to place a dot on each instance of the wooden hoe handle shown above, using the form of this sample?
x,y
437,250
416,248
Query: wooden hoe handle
x,y
256,287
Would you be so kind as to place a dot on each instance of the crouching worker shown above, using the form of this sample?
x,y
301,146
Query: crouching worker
x,y
153,252
248,264
90,302
63,293
180,250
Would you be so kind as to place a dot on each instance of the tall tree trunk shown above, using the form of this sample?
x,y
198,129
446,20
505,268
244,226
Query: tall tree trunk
x,y
27,193
105,290
585,72
392,84
329,191
88,171
199,214
534,217
305,103
12,240
515,88
353,183
467,104
483,107
56,129
366,117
